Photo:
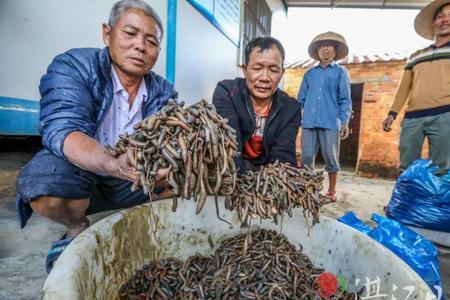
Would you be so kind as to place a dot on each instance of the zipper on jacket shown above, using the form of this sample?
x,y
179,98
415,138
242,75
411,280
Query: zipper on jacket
x,y
252,116
106,72
108,106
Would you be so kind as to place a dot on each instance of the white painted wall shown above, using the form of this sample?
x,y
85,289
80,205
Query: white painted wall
x,y
279,19
32,32
204,55
276,5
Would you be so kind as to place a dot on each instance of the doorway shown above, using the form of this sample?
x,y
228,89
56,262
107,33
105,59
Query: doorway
x,y
349,147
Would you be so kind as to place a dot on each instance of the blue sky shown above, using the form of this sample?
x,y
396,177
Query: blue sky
x,y
368,31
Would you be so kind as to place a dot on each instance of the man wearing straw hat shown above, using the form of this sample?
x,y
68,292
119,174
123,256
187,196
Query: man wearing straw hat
x,y
425,85
325,98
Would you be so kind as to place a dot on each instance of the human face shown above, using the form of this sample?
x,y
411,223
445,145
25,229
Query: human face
x,y
263,73
441,24
327,51
134,43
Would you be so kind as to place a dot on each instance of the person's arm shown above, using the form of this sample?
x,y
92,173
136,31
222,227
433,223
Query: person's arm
x,y
283,149
402,94
223,102
87,154
344,102
68,117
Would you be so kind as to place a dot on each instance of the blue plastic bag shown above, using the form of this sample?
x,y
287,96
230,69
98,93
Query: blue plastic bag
x,y
415,250
421,198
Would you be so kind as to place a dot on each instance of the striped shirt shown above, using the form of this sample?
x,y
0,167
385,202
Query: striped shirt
x,y
425,84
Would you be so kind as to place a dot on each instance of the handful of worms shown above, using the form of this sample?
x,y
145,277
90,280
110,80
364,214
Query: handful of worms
x,y
275,190
195,143
259,265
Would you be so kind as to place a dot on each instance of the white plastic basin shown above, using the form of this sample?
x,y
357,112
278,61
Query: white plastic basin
x,y
108,253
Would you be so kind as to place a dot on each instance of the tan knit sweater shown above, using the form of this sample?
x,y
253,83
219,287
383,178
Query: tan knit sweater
x,y
425,84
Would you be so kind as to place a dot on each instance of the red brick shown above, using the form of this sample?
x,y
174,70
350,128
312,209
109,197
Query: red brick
x,y
378,151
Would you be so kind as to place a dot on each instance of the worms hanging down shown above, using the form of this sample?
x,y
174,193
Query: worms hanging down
x,y
195,143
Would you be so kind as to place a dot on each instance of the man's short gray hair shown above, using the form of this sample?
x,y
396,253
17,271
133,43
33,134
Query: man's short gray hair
x,y
121,6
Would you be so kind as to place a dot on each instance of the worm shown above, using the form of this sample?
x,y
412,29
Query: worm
x,y
167,155
172,151
177,123
219,181
274,190
202,197
183,147
150,123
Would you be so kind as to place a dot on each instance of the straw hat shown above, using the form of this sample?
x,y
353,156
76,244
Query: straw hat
x,y
423,24
341,48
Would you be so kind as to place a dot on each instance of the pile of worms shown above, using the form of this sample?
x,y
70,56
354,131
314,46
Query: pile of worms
x,y
197,146
275,190
258,265
195,143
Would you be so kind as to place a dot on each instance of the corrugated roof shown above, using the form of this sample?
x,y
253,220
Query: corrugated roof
x,y
397,4
353,59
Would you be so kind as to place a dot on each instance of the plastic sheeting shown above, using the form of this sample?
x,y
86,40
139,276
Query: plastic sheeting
x,y
108,253
420,198
418,252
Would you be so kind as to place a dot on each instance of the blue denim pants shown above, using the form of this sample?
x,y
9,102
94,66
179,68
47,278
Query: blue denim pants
x,y
48,175
329,142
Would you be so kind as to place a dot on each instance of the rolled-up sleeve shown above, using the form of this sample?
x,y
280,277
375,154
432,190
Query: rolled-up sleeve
x,y
344,97
303,91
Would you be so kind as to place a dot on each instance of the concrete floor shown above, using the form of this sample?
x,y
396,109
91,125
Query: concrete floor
x,y
23,251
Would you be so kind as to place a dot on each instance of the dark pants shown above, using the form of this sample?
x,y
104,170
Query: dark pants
x,y
47,175
413,133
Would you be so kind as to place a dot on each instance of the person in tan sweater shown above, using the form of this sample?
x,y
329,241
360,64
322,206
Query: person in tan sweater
x,y
425,87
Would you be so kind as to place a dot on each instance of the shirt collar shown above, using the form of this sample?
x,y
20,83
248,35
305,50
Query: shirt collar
x,y
333,64
433,46
118,87
143,90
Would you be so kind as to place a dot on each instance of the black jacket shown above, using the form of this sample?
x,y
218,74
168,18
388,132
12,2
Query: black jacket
x,y
232,100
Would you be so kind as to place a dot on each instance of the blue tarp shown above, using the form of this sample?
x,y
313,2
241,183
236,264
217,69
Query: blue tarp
x,y
415,250
421,198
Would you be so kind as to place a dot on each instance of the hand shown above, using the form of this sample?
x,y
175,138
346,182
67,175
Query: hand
x,y
163,182
165,194
162,174
387,123
344,131
123,168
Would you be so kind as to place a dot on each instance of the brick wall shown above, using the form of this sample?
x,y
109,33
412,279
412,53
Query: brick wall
x,y
378,150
